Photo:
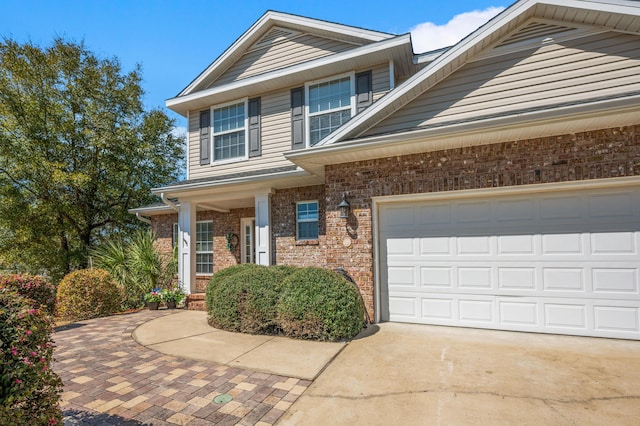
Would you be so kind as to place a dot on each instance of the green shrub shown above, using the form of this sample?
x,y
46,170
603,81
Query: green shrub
x,y
319,304
88,293
244,298
36,288
29,389
137,266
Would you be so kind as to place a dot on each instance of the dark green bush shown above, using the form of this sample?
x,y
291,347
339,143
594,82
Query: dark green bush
x,y
319,304
88,293
244,298
29,389
36,288
307,303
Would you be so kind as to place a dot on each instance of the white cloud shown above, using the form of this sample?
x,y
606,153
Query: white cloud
x,y
179,131
429,36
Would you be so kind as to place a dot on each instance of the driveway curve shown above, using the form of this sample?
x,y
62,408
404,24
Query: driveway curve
x,y
111,379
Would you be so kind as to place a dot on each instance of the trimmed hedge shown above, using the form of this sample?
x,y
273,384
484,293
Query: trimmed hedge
x,y
307,303
320,304
88,293
244,298
29,389
34,287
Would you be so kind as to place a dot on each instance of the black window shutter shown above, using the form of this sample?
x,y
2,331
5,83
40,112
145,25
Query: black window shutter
x,y
297,118
364,92
255,146
205,140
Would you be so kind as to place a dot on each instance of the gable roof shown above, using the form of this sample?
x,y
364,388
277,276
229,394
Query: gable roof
x,y
270,26
620,15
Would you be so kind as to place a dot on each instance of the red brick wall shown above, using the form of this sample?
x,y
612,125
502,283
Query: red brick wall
x,y
223,223
286,250
590,155
163,226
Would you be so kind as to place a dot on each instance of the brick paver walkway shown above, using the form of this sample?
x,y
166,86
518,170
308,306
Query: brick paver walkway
x,y
110,379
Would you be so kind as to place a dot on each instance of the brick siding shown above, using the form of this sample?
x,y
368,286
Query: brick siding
x,y
590,155
286,250
582,156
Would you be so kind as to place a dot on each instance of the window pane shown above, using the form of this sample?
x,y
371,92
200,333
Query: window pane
x,y
330,95
321,125
307,230
228,118
229,145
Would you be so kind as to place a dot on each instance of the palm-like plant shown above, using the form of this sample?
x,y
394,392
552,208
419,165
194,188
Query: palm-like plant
x,y
137,265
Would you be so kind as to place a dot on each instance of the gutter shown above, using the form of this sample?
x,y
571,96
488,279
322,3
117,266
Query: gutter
x,y
169,202
144,219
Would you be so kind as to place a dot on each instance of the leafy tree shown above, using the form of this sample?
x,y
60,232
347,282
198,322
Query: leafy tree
x,y
77,149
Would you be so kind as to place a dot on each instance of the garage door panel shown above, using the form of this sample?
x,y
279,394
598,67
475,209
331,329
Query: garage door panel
x,y
559,263
615,280
518,313
619,243
563,315
620,319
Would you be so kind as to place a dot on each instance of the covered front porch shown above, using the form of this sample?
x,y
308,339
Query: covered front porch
x,y
216,223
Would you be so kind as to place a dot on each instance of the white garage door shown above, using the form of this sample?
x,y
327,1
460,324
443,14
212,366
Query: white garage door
x,y
563,262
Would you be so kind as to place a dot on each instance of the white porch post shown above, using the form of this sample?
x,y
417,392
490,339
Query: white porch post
x,y
186,246
263,228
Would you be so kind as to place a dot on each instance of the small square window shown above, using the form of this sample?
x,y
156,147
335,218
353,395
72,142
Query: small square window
x,y
307,220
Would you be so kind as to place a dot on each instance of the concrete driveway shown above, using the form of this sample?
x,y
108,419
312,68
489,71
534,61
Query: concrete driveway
x,y
415,374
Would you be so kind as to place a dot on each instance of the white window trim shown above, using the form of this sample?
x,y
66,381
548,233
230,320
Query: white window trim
x,y
352,102
245,101
307,220
243,235
196,252
175,235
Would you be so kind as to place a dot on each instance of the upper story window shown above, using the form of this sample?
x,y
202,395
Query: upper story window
x,y
320,107
330,106
229,132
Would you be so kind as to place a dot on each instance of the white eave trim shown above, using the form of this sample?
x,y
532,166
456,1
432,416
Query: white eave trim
x,y
151,210
299,68
550,114
228,182
279,18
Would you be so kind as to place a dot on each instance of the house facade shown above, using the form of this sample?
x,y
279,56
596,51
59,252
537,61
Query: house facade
x,y
492,184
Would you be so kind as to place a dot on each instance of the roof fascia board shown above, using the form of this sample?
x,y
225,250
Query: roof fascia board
x,y
299,68
228,182
359,123
630,103
275,18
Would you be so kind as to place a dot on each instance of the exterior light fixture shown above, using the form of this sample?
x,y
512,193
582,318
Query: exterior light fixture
x,y
344,207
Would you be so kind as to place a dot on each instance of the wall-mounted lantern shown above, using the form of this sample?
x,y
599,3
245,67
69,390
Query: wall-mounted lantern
x,y
344,207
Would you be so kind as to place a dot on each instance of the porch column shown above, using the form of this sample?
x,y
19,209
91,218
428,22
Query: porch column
x,y
186,246
263,228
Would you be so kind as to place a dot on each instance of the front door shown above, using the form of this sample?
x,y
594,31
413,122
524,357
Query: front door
x,y
248,224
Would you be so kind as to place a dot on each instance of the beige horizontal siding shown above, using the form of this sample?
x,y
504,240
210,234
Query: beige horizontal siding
x,y
599,65
283,54
276,139
275,131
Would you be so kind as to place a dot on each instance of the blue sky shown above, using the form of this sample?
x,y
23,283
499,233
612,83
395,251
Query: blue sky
x,y
175,40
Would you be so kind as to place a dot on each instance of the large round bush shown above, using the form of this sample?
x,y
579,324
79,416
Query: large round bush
x,y
244,298
29,389
88,293
34,287
320,304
